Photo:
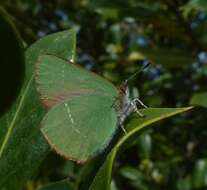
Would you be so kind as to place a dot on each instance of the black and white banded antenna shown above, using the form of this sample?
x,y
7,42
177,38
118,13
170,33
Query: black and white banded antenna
x,y
139,70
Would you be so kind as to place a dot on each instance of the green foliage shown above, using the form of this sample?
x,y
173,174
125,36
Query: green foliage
x,y
62,185
12,61
199,99
114,39
168,57
199,174
22,145
195,5
103,177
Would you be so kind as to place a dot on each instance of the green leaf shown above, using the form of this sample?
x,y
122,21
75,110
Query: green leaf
x,y
12,61
138,10
198,5
131,173
168,57
184,183
103,177
199,177
199,99
145,145
22,146
61,185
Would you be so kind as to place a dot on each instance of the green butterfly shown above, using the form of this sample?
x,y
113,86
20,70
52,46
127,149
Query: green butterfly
x,y
84,109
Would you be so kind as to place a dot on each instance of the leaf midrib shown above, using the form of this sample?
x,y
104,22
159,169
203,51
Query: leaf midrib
x,y
12,124
129,134
136,129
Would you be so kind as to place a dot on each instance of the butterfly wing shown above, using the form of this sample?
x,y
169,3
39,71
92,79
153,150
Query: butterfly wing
x,y
58,79
80,127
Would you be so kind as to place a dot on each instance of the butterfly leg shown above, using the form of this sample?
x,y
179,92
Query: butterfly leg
x,y
123,129
134,106
129,108
123,115
137,100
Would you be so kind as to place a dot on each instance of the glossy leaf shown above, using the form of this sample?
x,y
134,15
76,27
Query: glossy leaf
x,y
199,99
12,61
22,146
103,177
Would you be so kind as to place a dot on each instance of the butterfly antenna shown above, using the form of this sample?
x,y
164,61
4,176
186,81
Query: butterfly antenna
x,y
139,70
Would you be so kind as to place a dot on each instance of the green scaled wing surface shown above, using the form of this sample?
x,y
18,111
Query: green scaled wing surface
x,y
82,120
57,80
79,127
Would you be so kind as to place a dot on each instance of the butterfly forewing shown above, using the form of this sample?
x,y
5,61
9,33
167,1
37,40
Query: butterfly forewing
x,y
58,79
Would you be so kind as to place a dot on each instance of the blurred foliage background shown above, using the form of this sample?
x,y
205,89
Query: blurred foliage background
x,y
113,39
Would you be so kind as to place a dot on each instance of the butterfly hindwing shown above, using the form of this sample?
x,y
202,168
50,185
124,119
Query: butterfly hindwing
x,y
80,126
